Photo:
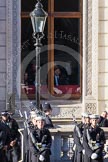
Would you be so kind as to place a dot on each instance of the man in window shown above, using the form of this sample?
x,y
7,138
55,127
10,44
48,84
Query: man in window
x,y
60,80
60,76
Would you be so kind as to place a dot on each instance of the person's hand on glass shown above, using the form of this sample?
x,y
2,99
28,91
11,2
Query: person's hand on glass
x,y
57,91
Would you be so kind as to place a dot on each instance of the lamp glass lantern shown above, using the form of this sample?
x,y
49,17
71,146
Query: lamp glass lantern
x,y
38,18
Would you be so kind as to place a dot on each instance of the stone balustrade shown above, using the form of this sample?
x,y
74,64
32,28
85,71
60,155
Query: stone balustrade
x,y
62,142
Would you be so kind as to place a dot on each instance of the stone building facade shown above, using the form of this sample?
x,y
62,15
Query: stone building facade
x,y
95,60
103,56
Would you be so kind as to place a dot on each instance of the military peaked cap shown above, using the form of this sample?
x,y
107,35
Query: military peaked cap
x,y
94,116
46,106
4,113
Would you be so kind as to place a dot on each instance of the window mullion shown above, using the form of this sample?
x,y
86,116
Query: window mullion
x,y
67,14
51,47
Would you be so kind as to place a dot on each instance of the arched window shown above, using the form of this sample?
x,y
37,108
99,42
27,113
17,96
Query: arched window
x,y
61,53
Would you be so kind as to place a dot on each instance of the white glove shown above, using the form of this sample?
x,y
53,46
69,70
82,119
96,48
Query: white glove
x,y
41,158
83,151
94,156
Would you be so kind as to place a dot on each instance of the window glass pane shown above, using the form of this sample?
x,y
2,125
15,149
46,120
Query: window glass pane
x,y
28,57
66,5
29,5
67,54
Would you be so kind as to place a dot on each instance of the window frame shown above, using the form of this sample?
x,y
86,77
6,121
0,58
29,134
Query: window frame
x,y
51,16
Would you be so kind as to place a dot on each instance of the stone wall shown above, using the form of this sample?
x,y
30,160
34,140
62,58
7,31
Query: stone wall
x,y
2,54
9,40
66,108
103,56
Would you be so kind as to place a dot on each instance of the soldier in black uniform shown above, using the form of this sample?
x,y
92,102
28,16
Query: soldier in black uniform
x,y
47,110
3,142
78,139
93,141
30,126
40,142
13,151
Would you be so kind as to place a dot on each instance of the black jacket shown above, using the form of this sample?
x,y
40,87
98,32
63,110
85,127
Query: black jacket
x,y
42,136
3,136
103,122
78,134
93,135
48,122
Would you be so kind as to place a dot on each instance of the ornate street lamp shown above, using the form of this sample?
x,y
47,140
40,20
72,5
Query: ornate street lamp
x,y
38,18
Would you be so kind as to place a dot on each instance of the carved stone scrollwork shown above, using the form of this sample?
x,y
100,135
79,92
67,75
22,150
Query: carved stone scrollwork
x,y
89,48
92,48
68,112
91,108
95,48
91,97
91,42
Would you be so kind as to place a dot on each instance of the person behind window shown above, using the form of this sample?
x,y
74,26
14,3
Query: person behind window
x,y
26,79
60,77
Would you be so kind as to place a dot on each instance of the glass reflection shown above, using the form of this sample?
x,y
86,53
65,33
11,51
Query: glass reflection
x,y
66,5
67,55
28,62
29,5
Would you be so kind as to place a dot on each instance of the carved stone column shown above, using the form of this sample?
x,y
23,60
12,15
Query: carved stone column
x,y
9,52
91,41
16,47
13,49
